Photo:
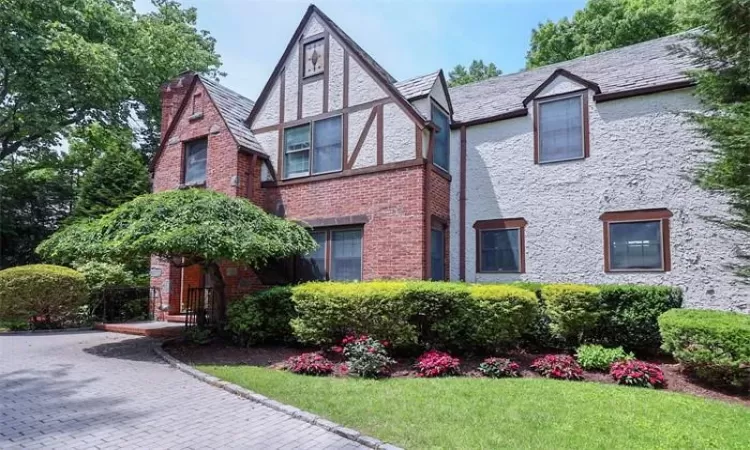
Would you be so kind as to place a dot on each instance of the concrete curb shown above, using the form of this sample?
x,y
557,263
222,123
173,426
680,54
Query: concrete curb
x,y
42,331
286,409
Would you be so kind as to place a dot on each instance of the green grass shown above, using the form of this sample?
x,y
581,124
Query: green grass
x,y
536,413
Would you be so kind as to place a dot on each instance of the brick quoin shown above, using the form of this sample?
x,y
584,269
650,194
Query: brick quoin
x,y
395,235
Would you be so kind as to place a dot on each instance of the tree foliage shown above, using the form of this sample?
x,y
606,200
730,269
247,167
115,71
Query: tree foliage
x,y
113,179
73,62
192,226
723,48
607,24
477,71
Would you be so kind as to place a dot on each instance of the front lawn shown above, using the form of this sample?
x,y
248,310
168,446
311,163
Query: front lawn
x,y
506,413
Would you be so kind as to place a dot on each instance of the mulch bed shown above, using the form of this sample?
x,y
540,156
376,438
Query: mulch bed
x,y
221,353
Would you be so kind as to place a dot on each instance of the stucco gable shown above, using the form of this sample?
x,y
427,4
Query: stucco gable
x,y
313,21
559,82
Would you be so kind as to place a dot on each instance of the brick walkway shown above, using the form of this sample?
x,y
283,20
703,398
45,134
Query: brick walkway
x,y
90,390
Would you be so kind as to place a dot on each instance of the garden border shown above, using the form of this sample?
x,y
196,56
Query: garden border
x,y
289,410
47,331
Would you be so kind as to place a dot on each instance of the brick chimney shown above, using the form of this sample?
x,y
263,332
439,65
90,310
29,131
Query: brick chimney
x,y
172,94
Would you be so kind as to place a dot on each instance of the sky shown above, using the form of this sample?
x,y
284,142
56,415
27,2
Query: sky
x,y
407,37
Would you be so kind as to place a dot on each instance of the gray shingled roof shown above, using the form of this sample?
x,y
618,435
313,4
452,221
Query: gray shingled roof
x,y
418,86
234,108
641,65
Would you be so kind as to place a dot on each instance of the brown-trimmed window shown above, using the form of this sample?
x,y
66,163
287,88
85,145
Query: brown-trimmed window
x,y
561,128
636,241
338,256
501,245
314,57
313,149
442,148
196,155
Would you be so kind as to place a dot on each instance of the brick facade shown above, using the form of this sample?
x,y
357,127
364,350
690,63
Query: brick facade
x,y
392,203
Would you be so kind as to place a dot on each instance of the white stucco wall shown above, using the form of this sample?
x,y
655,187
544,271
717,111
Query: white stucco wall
x,y
270,142
269,111
362,87
642,155
312,98
399,138
336,78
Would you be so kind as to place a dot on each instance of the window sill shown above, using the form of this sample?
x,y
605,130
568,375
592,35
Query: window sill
x,y
195,116
502,272
442,172
616,271
557,161
312,78
200,185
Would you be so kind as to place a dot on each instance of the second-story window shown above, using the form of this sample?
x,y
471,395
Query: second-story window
x,y
560,125
313,149
195,162
441,155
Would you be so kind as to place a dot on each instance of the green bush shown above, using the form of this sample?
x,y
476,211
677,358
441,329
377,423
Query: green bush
x,y
442,312
574,310
500,314
328,311
100,275
40,292
262,317
596,357
714,345
630,315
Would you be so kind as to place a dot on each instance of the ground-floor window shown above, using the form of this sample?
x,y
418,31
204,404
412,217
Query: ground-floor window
x,y
338,257
636,240
501,245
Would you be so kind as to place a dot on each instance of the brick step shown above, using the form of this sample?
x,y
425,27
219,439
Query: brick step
x,y
151,329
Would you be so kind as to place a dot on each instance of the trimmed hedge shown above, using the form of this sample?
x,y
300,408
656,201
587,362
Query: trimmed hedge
x,y
714,345
573,309
630,315
329,311
40,292
501,314
262,317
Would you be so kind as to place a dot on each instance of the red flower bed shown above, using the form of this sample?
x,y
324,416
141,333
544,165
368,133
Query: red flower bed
x,y
562,367
434,363
309,364
637,373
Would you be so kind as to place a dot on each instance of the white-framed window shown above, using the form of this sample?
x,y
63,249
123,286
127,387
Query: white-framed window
x,y
313,149
196,155
560,125
442,147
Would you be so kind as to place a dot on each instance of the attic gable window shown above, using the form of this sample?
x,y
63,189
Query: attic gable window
x,y
560,125
314,57
194,170
313,149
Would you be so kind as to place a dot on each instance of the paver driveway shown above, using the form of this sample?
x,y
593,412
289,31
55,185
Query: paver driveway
x,y
105,390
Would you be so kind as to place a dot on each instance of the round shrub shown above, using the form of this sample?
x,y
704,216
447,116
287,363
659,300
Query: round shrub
x,y
500,314
366,357
328,311
262,317
573,310
434,363
638,373
41,292
714,345
499,368
309,364
561,367
100,275
596,357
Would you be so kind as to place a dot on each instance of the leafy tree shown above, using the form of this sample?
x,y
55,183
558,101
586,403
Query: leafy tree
x,y
477,72
73,62
113,179
186,227
36,194
723,48
607,24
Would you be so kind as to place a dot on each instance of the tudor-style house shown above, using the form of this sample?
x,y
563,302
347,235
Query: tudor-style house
x,y
575,172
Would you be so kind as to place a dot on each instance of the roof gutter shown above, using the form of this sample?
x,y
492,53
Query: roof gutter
x,y
521,112
599,98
